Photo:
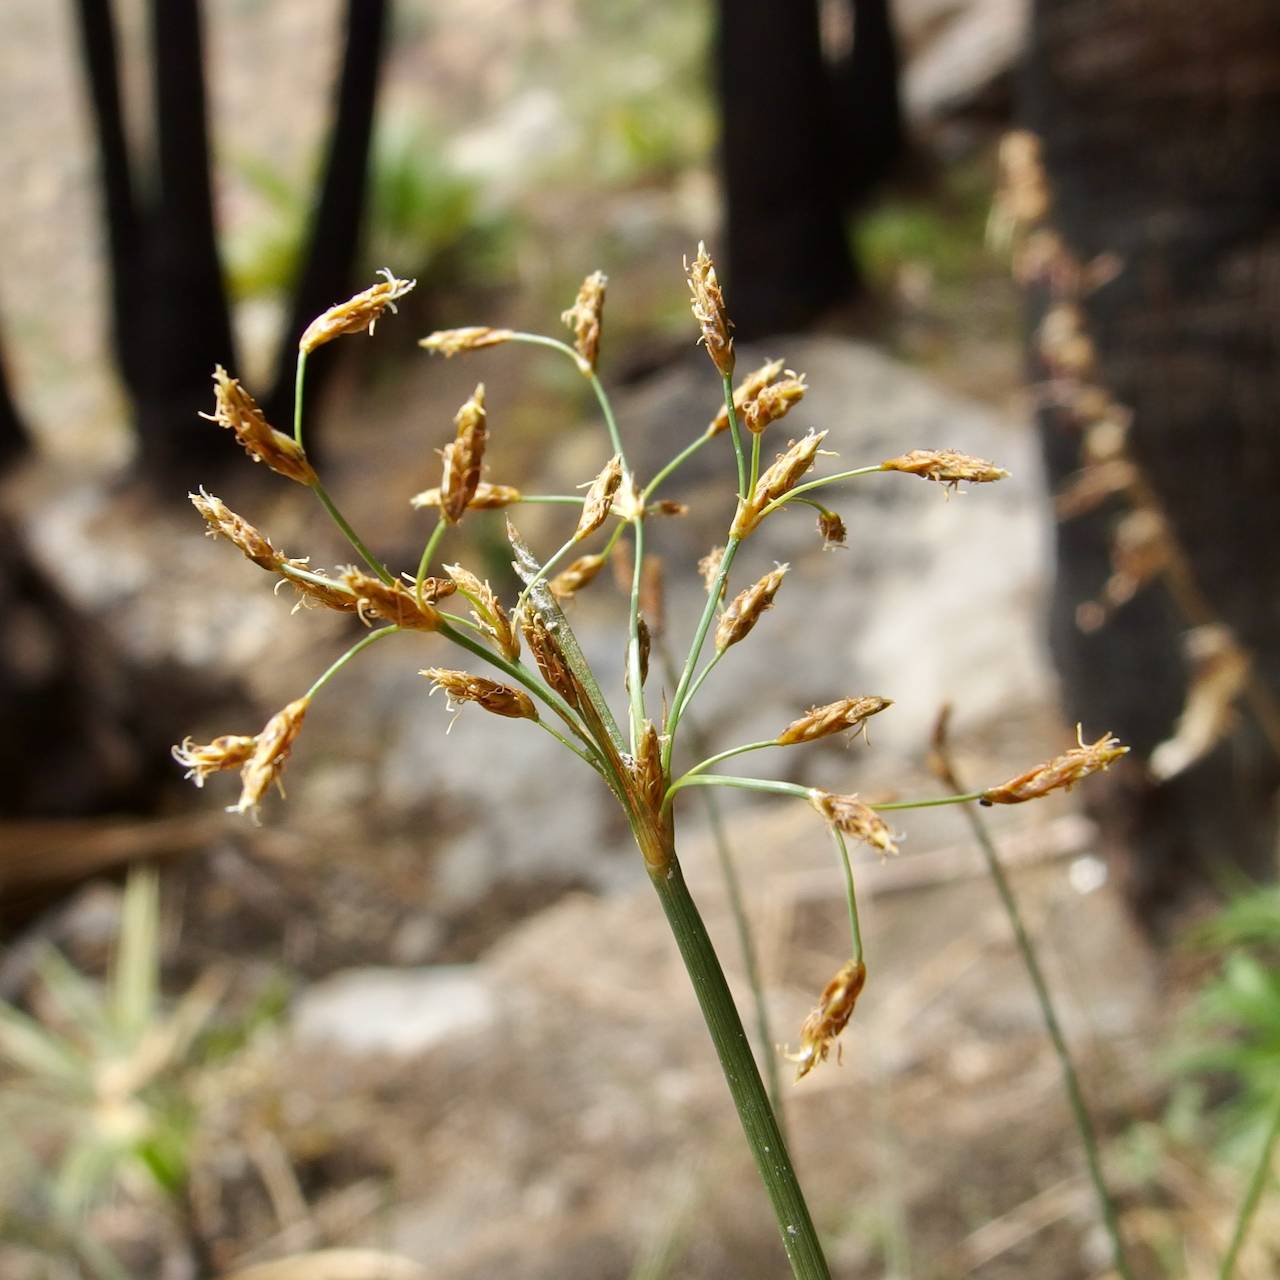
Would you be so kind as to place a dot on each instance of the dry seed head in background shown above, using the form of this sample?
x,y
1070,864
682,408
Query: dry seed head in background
x,y
270,752
463,459
357,314
568,582
201,759
773,402
1062,771
391,601
744,610
449,342
1092,486
835,717
709,568
487,497
653,595
237,410
709,311
946,466
237,530
487,609
829,1018
500,699
776,481
599,499
584,319
744,393
861,822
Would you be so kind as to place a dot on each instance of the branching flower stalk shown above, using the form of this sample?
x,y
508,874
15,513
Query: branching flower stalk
x,y
539,674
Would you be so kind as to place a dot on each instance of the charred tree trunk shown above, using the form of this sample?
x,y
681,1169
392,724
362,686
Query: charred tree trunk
x,y
14,440
788,257
1158,120
868,110
335,231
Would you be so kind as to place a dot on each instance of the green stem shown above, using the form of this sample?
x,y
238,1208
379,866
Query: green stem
x,y
966,798
1031,963
1257,1185
634,681
771,785
424,563
799,1237
703,765
299,381
341,662
850,891
695,649
736,432
350,534
755,461
678,461
305,575
817,484
560,499
701,676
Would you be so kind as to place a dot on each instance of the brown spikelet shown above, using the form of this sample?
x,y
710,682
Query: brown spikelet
x,y
835,717
1092,486
861,822
709,311
546,653
646,767
500,699
829,1018
834,534
595,506
270,752
322,595
237,530
201,759
237,410
356,314
487,497
776,481
653,596
584,319
450,342
392,601
709,567
1062,771
744,393
568,582
487,609
945,466
644,641
669,507
1141,547
744,610
463,459
773,402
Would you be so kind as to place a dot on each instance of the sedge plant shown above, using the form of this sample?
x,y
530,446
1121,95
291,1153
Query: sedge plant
x,y
531,666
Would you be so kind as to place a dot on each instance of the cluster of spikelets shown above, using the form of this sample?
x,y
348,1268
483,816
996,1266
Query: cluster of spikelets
x,y
557,691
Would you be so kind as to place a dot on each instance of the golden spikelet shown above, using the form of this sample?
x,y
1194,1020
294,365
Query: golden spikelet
x,y
829,1018
356,314
487,610
450,342
861,822
709,311
568,582
1062,771
546,653
644,643
201,759
392,601
834,534
237,530
773,402
237,410
835,717
499,699
463,459
745,392
646,767
599,499
744,610
584,319
270,752
487,497
945,466
777,481
323,595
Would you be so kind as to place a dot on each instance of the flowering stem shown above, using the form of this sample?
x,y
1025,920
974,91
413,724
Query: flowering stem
x,y
1071,1082
299,381
428,552
346,657
755,461
817,484
966,798
350,534
678,461
634,680
746,784
736,432
703,765
799,1237
1257,1185
849,891
702,675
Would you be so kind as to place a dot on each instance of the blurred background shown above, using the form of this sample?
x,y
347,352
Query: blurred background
x,y
427,1011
